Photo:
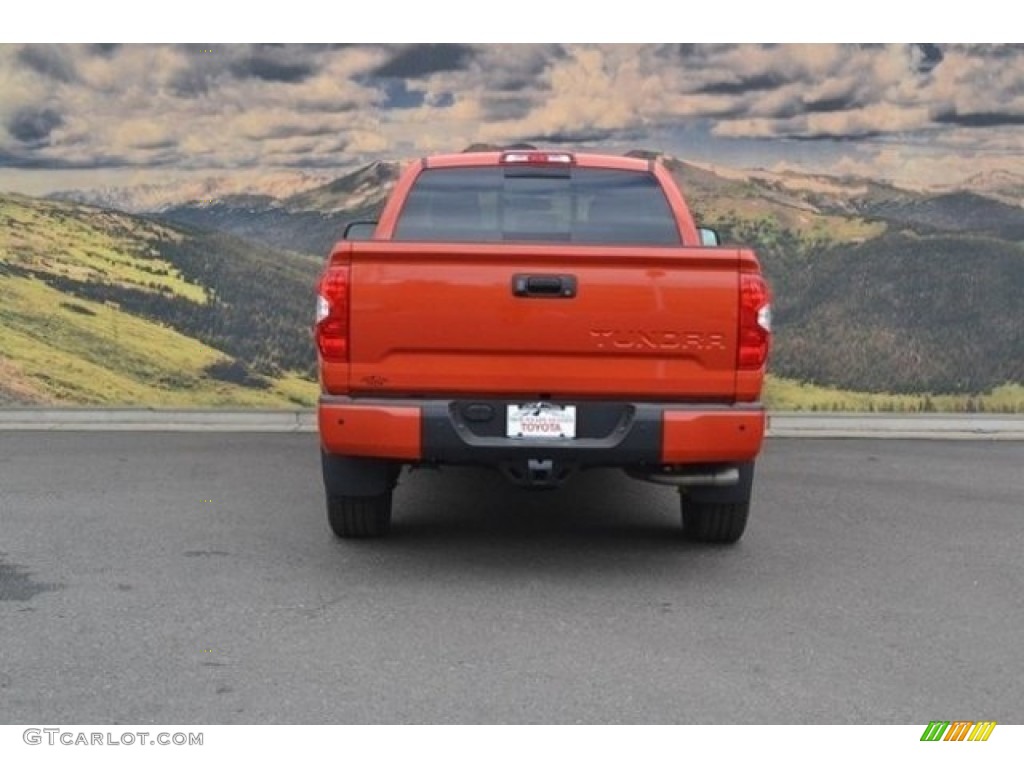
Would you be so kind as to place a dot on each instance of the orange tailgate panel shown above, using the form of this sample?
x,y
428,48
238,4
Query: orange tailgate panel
x,y
436,319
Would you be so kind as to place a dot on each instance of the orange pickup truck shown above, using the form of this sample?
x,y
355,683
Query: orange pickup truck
x,y
541,312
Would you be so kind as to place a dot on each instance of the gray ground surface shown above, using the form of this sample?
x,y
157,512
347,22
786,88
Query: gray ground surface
x,y
191,578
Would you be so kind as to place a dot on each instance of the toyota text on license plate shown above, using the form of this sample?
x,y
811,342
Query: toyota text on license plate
x,y
541,420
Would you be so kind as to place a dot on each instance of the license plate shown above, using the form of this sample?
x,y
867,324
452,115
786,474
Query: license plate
x,y
543,421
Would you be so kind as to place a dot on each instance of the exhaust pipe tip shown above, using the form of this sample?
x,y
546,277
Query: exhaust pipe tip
x,y
683,478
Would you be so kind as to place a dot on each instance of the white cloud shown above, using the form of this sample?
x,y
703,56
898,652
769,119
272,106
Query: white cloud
x,y
240,106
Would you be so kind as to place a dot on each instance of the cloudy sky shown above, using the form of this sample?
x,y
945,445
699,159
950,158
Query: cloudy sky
x,y
88,115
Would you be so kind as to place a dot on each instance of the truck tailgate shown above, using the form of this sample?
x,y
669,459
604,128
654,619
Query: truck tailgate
x,y
543,320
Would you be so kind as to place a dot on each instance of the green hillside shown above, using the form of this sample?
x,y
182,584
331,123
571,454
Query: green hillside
x,y
907,313
310,222
781,394
807,211
101,307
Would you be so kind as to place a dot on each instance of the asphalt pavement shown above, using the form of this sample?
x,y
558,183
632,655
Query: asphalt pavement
x,y
191,578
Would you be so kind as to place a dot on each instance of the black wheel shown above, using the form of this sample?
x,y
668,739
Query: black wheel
x,y
714,522
359,517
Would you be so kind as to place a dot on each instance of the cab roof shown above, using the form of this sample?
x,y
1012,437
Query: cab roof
x,y
579,159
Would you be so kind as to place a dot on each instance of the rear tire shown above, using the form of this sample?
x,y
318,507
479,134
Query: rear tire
x,y
714,522
359,517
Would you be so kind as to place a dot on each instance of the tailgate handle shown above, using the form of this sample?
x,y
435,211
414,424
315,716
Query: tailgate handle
x,y
544,286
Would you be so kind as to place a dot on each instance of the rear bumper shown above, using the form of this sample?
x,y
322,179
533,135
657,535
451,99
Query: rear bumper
x,y
472,432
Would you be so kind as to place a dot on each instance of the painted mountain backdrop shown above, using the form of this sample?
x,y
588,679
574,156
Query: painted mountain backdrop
x,y
912,297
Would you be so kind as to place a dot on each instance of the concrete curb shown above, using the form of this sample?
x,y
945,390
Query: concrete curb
x,y
954,426
155,420
782,425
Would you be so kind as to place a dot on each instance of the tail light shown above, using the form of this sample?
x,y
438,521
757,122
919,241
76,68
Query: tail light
x,y
755,321
332,313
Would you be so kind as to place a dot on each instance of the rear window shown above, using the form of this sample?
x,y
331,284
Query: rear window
x,y
579,205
